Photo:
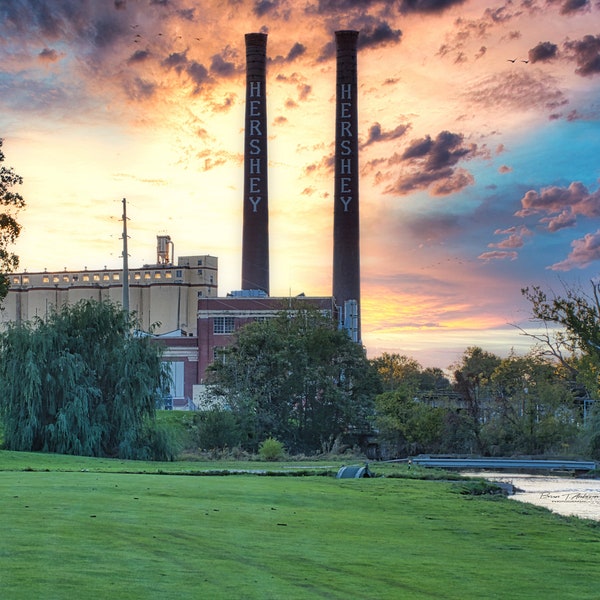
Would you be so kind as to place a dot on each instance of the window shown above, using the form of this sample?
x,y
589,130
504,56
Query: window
x,y
86,277
147,275
220,354
25,279
179,273
96,277
176,386
16,280
137,276
200,262
115,277
168,275
45,279
199,271
223,325
55,279
66,278
157,275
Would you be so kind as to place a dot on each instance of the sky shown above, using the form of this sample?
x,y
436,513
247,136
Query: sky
x,y
479,137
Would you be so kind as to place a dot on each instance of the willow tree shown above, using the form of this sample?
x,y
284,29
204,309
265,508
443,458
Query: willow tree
x,y
10,203
78,382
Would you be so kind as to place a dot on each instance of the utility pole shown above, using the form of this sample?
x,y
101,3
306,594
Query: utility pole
x,y
125,261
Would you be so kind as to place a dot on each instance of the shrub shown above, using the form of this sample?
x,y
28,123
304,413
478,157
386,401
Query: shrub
x,y
271,450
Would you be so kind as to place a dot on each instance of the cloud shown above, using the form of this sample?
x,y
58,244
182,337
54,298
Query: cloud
x,y
49,55
139,56
427,6
176,61
561,204
376,134
498,255
517,90
586,53
222,67
543,52
432,162
139,89
585,251
572,6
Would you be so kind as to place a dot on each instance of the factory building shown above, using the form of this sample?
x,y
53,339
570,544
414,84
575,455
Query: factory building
x,y
193,323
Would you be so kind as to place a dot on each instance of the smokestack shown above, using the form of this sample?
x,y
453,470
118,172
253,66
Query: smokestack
x,y
255,235
346,233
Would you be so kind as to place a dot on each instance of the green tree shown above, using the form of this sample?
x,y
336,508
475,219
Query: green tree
x,y
80,382
471,380
11,202
296,378
407,425
572,336
532,410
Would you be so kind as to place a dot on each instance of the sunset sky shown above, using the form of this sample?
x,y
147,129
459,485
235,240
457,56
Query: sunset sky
x,y
479,148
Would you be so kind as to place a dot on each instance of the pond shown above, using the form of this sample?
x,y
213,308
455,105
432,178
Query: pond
x,y
563,495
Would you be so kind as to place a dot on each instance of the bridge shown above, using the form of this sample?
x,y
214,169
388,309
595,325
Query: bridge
x,y
504,464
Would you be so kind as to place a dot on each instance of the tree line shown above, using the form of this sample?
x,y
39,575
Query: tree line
x,y
85,381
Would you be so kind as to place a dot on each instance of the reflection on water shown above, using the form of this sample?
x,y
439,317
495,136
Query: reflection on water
x,y
563,495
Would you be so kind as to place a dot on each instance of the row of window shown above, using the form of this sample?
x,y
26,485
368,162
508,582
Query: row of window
x,y
86,277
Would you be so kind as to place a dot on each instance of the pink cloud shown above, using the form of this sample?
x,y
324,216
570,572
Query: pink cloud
x,y
498,255
561,204
585,251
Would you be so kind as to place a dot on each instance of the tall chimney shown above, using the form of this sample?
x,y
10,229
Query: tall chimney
x,y
255,235
346,233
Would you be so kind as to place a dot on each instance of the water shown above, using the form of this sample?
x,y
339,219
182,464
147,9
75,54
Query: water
x,y
563,495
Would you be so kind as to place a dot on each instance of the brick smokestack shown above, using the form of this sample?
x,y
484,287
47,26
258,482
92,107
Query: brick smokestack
x,y
255,235
346,232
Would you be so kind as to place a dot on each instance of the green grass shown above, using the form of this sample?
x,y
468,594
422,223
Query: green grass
x,y
76,527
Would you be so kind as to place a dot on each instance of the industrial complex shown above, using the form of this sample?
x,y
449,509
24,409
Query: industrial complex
x,y
178,300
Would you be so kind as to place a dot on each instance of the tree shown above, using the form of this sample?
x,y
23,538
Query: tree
x,y
10,229
471,377
296,378
532,409
80,382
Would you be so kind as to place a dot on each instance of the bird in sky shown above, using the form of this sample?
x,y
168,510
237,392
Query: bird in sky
x,y
512,60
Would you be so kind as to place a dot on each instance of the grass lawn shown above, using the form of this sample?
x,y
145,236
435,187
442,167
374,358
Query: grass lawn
x,y
76,527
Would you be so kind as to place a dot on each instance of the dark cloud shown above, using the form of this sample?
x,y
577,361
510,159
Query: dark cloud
x,y
446,150
585,251
373,33
264,7
431,163
544,51
199,75
140,89
427,6
571,6
376,134
138,57
586,53
297,50
378,35
187,14
176,60
120,4
222,67
48,55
